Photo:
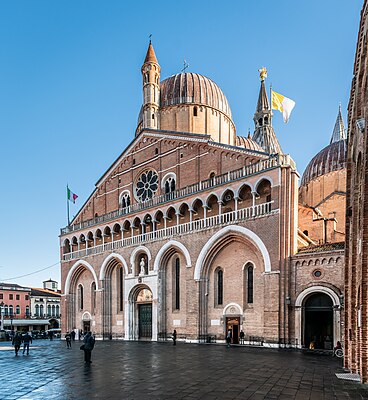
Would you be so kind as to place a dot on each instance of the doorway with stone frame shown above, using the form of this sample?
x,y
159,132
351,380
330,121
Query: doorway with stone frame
x,y
143,314
233,323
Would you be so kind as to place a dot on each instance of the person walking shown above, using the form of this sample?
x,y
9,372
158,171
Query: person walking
x,y
68,339
16,342
174,337
27,339
87,347
72,334
228,338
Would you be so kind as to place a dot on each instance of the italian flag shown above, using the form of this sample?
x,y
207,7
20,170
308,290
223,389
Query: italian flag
x,y
71,196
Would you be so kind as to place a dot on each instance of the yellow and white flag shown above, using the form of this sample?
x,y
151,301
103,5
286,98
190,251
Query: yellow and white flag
x,y
283,104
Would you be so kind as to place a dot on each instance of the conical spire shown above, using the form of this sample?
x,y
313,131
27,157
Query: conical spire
x,y
263,104
264,133
339,132
150,56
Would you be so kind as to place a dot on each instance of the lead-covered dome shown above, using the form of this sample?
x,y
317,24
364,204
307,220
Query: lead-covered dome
x,y
191,88
248,143
331,158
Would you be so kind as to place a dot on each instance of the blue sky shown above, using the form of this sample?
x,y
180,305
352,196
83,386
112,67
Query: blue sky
x,y
70,92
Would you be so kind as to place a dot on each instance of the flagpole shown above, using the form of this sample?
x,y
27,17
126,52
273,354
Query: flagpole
x,y
67,203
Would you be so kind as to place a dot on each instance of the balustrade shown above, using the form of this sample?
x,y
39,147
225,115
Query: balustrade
x,y
210,183
242,214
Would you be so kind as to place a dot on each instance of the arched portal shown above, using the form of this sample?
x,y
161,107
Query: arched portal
x,y
140,313
318,321
317,317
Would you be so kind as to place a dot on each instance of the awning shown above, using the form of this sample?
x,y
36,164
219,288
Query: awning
x,y
25,322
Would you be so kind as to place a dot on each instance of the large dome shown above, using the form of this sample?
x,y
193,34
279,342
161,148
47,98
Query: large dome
x,y
331,158
190,88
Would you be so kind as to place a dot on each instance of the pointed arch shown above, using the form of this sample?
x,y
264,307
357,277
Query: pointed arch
x,y
168,245
225,231
75,266
106,261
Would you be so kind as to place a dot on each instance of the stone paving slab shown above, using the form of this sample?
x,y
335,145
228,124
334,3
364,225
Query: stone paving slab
x,y
148,370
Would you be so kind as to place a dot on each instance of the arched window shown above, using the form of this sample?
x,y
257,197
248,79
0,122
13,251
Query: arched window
x,y
49,310
125,200
53,311
121,286
37,310
219,288
58,311
177,283
17,310
195,111
80,297
93,297
169,185
11,312
250,284
27,311
41,310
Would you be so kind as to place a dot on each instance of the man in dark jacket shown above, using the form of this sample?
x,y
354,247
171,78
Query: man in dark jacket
x,y
16,342
89,344
27,339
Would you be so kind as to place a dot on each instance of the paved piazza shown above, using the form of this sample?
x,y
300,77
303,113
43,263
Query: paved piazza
x,y
145,370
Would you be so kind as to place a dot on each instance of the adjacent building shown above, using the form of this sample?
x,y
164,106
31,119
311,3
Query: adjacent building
x,y
27,309
356,266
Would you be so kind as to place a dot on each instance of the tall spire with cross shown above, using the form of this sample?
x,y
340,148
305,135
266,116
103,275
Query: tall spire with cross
x,y
151,89
264,133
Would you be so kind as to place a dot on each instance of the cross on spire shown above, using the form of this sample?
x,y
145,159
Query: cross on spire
x,y
186,66
150,36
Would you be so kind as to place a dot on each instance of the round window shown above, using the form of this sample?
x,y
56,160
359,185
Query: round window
x,y
146,186
317,273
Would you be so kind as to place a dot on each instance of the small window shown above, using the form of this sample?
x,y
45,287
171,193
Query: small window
x,y
195,111
250,284
133,161
1,296
317,273
11,297
17,297
220,287
156,150
177,284
170,185
305,233
26,297
153,116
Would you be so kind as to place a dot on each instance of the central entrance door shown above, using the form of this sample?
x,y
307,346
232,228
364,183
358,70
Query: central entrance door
x,y
145,321
143,325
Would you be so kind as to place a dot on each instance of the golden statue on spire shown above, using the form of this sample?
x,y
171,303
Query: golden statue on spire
x,y
262,73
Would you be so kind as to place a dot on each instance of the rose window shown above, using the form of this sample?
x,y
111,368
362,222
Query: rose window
x,y
146,185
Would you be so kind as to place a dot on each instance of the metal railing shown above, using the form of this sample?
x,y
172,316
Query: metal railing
x,y
181,229
210,183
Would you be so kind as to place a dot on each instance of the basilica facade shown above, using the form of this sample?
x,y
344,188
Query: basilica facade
x,y
201,230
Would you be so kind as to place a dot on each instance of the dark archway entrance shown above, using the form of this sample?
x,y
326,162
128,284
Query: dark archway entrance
x,y
318,322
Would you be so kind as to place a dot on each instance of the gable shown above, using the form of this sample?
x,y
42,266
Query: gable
x,y
188,158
